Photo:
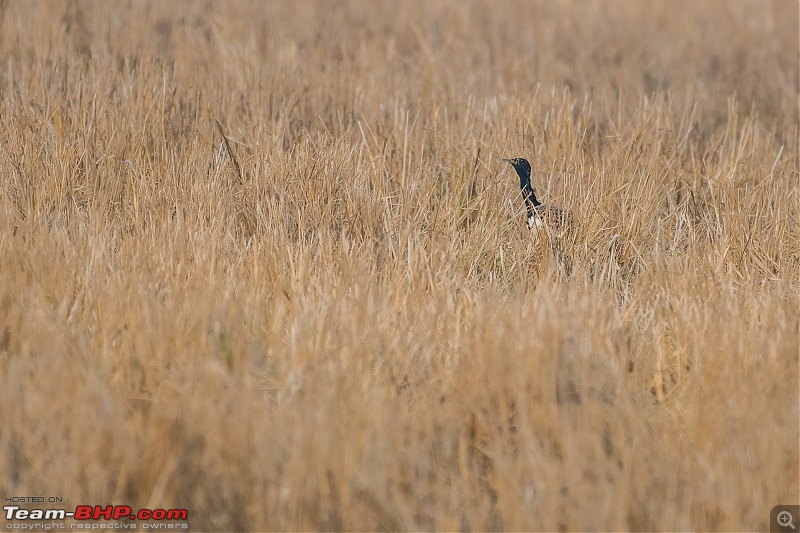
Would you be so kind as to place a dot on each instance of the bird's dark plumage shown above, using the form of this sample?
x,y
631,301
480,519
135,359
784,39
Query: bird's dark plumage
x,y
538,213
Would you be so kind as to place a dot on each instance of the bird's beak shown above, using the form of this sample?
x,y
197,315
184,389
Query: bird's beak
x,y
507,160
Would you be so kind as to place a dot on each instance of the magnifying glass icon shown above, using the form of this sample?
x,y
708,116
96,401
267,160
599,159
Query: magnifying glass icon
x,y
785,519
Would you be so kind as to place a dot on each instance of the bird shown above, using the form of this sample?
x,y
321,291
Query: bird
x,y
539,214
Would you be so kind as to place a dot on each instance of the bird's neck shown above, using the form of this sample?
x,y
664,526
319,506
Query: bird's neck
x,y
528,194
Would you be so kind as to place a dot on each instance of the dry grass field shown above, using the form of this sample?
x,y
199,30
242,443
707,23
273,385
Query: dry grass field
x,y
347,325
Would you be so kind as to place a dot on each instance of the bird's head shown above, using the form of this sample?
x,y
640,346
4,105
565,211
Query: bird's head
x,y
522,167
